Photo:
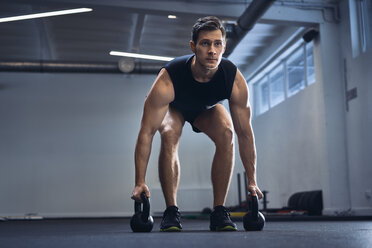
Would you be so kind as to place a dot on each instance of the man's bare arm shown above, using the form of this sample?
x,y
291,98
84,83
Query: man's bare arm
x,y
241,116
155,107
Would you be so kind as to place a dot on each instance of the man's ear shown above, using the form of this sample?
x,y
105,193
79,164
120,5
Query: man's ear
x,y
192,46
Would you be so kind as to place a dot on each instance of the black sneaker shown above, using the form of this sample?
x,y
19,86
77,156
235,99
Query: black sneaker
x,y
171,220
220,220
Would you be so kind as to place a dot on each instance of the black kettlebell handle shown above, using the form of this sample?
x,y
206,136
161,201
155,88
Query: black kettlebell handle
x,y
254,207
146,207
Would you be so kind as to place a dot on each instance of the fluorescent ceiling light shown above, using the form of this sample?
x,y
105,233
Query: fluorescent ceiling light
x,y
172,17
45,14
140,56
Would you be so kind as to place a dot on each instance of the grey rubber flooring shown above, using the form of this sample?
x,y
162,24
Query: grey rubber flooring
x,y
114,233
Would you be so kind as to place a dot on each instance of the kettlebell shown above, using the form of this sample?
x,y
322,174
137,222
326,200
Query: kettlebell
x,y
254,220
142,221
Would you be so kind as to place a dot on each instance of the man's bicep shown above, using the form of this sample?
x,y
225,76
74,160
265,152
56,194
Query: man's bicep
x,y
239,105
241,117
153,115
239,94
157,103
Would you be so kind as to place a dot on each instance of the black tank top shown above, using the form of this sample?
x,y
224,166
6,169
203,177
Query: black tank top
x,y
194,97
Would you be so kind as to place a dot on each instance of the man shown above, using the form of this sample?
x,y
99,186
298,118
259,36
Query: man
x,y
190,88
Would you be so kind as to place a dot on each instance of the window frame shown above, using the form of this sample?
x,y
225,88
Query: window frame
x,y
303,59
264,75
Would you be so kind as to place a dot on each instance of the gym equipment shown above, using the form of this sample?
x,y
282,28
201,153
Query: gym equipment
x,y
142,221
242,207
206,211
265,201
310,201
239,191
246,188
254,220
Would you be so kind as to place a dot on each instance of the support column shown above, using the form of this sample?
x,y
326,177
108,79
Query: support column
x,y
335,174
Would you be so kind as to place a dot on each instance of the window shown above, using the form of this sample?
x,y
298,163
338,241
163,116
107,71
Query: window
x,y
360,14
261,93
364,24
276,85
295,70
290,72
310,63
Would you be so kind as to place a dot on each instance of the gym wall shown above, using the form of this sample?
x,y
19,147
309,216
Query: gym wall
x,y
358,118
67,140
67,147
310,141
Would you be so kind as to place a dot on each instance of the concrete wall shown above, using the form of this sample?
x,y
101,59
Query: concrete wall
x,y
358,75
290,146
67,140
67,144
310,141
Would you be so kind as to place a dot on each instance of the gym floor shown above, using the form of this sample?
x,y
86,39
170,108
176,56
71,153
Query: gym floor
x,y
113,233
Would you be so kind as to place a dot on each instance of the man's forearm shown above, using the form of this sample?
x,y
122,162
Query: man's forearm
x,y
248,156
141,156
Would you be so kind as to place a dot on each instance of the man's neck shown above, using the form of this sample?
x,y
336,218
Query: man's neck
x,y
201,73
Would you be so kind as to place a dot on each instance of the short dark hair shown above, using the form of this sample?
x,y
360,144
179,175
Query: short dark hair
x,y
209,23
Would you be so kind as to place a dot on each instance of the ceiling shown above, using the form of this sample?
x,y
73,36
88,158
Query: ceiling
x,y
128,26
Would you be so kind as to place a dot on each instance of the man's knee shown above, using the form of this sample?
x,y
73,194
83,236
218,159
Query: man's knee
x,y
170,136
225,138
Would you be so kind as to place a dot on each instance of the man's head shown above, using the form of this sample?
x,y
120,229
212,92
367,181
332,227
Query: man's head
x,y
208,41
208,23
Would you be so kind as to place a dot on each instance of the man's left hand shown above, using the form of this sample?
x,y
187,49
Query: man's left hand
x,y
254,190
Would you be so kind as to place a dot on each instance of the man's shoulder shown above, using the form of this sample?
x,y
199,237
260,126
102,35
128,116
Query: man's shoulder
x,y
229,69
177,68
178,62
228,63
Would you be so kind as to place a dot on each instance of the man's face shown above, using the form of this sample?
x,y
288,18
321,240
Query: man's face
x,y
209,48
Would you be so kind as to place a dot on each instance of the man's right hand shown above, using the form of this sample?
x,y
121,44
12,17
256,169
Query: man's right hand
x,y
137,191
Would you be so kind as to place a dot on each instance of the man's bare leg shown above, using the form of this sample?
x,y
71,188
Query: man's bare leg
x,y
169,166
217,124
222,134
